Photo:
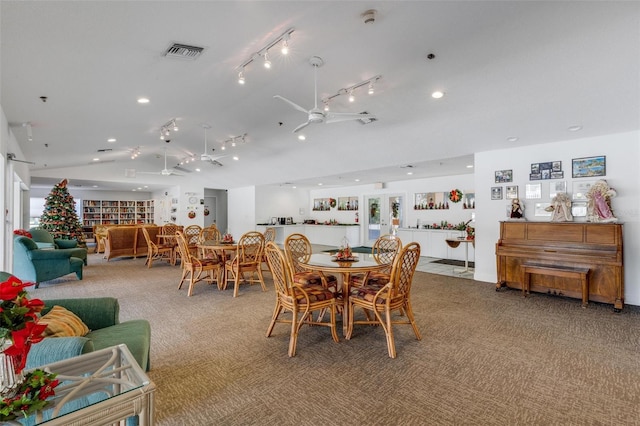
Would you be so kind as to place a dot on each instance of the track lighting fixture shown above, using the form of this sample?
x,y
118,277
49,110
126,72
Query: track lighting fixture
x,y
135,152
264,53
167,128
350,90
27,125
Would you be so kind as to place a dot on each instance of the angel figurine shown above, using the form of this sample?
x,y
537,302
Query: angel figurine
x,y
517,209
599,202
561,208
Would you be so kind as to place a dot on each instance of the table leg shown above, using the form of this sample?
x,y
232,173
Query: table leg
x,y
346,276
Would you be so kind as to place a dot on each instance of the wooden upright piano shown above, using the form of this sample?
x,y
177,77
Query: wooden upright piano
x,y
563,246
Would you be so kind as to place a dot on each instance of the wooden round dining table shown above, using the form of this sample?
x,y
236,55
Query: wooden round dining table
x,y
362,264
219,248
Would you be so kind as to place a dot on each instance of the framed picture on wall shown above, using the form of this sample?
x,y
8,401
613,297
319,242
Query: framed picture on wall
x,y
512,192
533,191
504,176
589,166
496,193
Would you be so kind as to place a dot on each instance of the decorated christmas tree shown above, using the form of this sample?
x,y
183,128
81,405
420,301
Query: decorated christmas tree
x,y
59,216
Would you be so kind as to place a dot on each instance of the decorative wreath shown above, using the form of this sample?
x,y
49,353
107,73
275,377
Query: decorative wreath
x,y
455,195
332,203
206,212
192,215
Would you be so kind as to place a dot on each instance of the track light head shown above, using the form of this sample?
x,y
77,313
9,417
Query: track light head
x,y
267,62
241,78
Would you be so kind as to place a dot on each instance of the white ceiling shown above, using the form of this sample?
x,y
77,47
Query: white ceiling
x,y
524,69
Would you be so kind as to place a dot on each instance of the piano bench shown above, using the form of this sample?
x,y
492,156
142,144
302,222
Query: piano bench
x,y
573,272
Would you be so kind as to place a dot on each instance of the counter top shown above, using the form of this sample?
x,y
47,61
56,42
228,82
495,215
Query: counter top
x,y
309,224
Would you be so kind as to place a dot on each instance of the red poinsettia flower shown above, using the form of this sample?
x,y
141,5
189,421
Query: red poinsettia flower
x,y
11,288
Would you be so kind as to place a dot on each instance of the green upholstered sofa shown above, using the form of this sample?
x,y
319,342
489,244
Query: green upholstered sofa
x,y
101,315
44,239
37,265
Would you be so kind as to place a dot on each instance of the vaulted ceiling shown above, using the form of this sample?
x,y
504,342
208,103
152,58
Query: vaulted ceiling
x,y
528,70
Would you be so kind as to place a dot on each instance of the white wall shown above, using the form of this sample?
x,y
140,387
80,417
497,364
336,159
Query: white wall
x,y
242,210
622,153
455,214
281,201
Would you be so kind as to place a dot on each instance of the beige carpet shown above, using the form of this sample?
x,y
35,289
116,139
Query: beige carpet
x,y
485,358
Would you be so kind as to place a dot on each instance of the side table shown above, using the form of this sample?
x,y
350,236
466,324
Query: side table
x,y
99,388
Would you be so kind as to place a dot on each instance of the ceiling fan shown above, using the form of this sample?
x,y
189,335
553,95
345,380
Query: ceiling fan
x,y
317,115
165,171
213,159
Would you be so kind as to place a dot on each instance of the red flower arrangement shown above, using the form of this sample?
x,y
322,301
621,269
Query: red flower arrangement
x,y
19,326
22,232
19,320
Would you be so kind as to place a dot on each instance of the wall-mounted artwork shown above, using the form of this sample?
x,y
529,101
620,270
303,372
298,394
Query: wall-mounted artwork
x,y
469,200
546,170
512,192
581,188
541,209
504,176
496,193
589,166
556,187
533,191
430,201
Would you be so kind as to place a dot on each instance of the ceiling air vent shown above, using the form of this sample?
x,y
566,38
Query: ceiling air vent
x,y
368,119
183,51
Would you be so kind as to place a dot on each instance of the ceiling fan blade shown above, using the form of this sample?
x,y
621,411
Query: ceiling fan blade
x,y
300,127
293,104
336,117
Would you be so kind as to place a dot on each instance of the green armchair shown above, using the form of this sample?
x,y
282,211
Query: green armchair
x,y
37,265
44,239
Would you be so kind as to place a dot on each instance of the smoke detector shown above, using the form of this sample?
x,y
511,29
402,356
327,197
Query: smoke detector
x,y
369,17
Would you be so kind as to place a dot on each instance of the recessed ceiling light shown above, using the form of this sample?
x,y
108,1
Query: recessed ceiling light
x,y
574,128
146,186
197,170
320,184
96,159
357,180
235,157
95,186
469,166
437,94
111,140
294,187
140,188
134,190
143,100
302,137
409,173
512,139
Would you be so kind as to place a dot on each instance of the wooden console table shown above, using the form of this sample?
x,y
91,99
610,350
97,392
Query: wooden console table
x,y
581,260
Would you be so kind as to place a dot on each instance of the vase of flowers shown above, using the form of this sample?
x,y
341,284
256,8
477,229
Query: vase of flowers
x,y
19,329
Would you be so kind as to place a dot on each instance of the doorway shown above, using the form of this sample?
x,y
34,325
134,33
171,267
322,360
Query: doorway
x,y
382,213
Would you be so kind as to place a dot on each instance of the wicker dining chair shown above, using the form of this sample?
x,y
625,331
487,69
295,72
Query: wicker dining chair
x,y
300,300
269,235
385,299
211,232
298,250
192,234
248,259
384,251
157,251
195,269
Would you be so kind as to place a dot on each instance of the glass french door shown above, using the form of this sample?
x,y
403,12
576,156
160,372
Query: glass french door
x,y
382,213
